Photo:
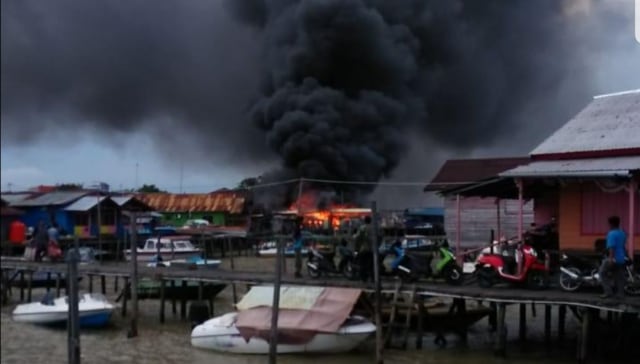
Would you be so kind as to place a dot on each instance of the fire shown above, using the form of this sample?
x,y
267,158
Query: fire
x,y
330,215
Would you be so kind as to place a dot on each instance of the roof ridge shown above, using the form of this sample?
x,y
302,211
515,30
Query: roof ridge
x,y
617,93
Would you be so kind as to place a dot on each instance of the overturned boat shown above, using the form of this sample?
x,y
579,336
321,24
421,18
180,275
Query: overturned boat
x,y
94,311
310,320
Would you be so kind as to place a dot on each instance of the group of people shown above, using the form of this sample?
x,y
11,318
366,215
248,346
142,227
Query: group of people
x,y
364,239
45,240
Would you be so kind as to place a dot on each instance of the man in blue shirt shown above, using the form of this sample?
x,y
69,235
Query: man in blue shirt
x,y
612,268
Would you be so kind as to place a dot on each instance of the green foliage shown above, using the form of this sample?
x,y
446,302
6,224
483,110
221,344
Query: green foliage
x,y
69,187
149,188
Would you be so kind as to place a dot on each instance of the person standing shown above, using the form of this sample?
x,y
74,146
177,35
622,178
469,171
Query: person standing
x,y
364,240
612,267
41,240
297,248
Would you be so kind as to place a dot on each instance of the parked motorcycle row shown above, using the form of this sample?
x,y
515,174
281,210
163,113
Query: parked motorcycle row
x,y
522,266
437,262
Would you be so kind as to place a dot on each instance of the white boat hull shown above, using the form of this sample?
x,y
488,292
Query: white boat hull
x,y
144,256
93,310
215,334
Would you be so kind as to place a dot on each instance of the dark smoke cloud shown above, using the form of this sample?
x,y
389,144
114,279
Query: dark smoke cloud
x,y
170,68
462,73
335,89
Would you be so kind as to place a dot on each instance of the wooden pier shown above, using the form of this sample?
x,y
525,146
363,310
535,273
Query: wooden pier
x,y
584,306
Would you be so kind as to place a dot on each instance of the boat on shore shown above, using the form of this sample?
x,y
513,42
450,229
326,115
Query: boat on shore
x,y
310,320
93,308
168,247
221,334
269,249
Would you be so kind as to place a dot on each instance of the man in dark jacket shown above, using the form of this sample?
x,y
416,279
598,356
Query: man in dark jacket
x,y
41,239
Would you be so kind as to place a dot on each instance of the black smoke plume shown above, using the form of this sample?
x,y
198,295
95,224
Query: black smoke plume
x,y
329,89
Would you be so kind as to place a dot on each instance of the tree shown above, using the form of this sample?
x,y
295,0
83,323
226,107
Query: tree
x,y
249,182
149,188
69,187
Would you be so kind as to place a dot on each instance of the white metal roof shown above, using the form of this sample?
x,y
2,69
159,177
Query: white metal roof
x,y
85,203
596,167
121,200
609,122
13,198
51,199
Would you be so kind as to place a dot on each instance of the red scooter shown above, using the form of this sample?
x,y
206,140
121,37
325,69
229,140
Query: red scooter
x,y
523,268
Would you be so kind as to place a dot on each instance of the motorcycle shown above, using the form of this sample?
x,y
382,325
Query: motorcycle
x,y
493,268
576,272
415,265
350,266
319,264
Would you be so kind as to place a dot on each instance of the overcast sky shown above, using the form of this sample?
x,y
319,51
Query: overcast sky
x,y
90,91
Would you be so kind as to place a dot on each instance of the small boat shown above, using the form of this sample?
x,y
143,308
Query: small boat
x,y
269,249
94,311
221,334
169,248
310,320
189,263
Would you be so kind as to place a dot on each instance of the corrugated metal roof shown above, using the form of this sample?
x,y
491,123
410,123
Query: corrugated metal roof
x,y
231,202
605,167
13,198
458,172
52,199
610,122
121,200
85,203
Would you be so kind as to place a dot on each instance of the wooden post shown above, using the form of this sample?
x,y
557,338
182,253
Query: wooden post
x,y
126,291
99,229
22,284
275,306
134,277
501,340
233,285
420,329
115,284
183,301
376,278
633,192
547,327
90,282
523,322
458,230
103,284
584,337
562,313
29,284
498,219
174,310
162,300
493,316
73,331
200,290
48,282
58,279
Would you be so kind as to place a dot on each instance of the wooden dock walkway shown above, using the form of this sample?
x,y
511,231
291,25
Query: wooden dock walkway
x,y
496,294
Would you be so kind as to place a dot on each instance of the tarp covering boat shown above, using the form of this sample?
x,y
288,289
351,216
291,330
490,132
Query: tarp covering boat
x,y
303,312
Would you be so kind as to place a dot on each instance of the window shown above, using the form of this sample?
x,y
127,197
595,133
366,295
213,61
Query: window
x,y
598,205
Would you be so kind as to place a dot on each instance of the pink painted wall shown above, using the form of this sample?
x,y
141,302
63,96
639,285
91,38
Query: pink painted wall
x,y
598,205
545,207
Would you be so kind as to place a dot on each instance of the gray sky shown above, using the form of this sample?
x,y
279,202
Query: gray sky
x,y
89,91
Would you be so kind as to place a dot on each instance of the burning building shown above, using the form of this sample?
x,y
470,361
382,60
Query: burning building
x,y
320,211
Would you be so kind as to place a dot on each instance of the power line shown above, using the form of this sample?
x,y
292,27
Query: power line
x,y
289,181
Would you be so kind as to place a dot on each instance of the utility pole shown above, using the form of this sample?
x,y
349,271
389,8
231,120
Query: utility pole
x,y
135,187
300,196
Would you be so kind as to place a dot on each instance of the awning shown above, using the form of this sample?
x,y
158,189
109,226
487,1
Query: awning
x,y
304,311
577,168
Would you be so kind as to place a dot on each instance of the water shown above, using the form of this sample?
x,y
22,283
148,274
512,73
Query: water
x,y
170,342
